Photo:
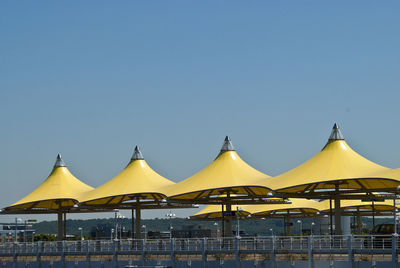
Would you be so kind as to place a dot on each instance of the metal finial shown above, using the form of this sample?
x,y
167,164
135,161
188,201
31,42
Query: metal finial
x,y
227,146
336,134
137,154
59,162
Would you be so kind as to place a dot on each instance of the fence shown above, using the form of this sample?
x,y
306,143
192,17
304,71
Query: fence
x,y
272,248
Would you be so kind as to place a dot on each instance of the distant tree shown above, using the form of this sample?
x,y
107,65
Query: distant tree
x,y
45,237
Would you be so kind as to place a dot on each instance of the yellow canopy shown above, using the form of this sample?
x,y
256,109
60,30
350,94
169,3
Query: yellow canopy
x,y
212,212
389,174
61,189
335,164
347,205
298,206
227,173
136,181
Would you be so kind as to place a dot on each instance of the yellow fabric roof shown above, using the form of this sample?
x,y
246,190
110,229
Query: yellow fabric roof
x,y
60,189
227,172
386,205
391,174
215,212
298,206
336,163
137,180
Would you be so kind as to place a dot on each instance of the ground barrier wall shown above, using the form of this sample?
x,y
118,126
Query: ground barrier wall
x,y
275,251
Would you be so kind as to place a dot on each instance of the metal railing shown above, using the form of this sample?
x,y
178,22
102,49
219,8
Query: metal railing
x,y
251,244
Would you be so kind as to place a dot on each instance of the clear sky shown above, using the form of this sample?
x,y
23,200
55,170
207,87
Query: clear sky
x,y
91,79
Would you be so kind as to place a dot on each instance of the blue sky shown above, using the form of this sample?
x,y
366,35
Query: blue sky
x,y
91,79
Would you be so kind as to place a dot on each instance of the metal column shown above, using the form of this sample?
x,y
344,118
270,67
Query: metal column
x,y
338,222
59,225
138,226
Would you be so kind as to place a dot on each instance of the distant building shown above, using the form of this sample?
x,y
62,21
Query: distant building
x,y
107,231
194,231
24,232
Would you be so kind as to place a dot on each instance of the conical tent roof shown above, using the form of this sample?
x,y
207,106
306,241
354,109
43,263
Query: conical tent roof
x,y
214,212
61,189
389,174
297,207
347,205
227,173
335,164
136,181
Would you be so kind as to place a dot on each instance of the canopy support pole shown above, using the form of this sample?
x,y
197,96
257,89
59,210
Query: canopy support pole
x,y
394,216
373,216
138,226
228,220
338,222
59,225
330,216
65,225
284,226
133,224
223,221
359,224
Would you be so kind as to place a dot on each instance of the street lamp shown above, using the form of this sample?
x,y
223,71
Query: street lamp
x,y
237,220
81,229
121,217
27,221
112,233
272,231
16,227
216,226
170,215
33,237
116,223
301,227
395,210
25,231
145,233
312,225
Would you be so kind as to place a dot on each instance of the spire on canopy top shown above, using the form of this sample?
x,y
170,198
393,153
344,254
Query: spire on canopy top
x,y
137,154
336,134
227,146
59,162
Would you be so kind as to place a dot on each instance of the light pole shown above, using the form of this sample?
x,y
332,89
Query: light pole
x,y
112,233
272,231
312,225
216,226
16,227
170,215
27,221
237,224
25,231
119,216
81,229
145,233
33,237
301,227
116,223
395,211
